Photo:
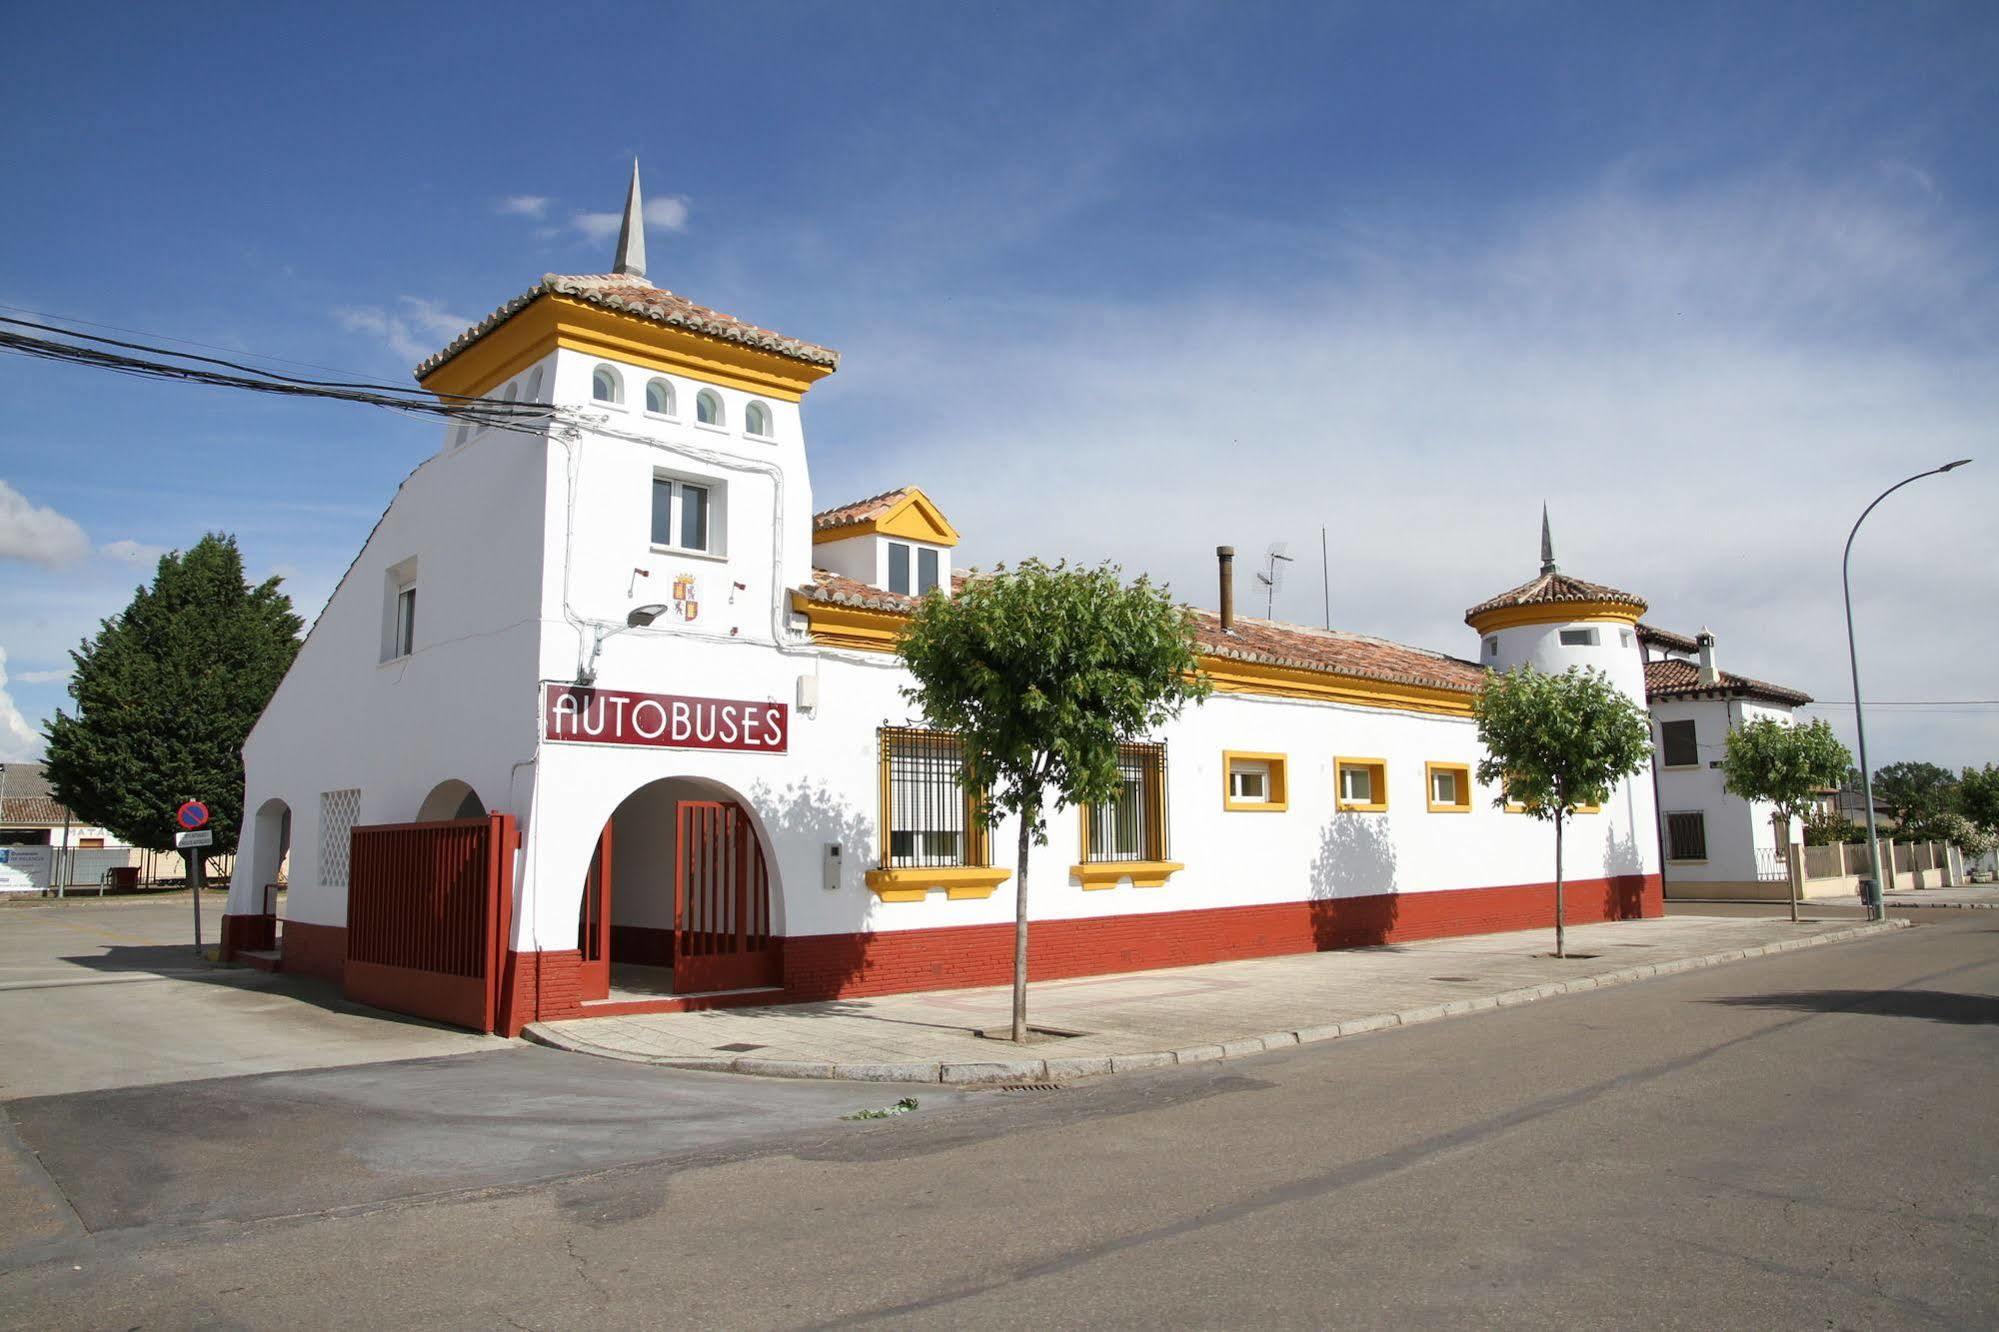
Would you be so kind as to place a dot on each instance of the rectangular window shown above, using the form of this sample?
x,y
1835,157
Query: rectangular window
x,y
1450,787
405,621
898,568
1578,638
926,571
1361,784
929,820
1679,744
1253,781
1492,646
1686,836
1132,827
683,515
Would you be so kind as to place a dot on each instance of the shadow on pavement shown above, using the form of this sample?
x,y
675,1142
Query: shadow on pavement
x,y
1935,1005
179,962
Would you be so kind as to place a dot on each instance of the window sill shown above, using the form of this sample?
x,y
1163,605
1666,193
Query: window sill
x,y
1109,873
715,429
959,882
683,553
1679,767
1671,861
662,416
1449,809
1256,806
601,405
1357,807
394,661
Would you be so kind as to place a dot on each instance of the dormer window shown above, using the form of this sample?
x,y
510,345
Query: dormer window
x,y
756,420
605,386
926,569
898,568
708,408
659,397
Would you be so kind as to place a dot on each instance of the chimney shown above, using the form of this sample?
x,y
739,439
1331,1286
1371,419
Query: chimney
x,y
1226,556
1709,676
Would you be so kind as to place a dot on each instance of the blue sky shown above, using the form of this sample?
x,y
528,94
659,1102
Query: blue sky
x,y
1110,281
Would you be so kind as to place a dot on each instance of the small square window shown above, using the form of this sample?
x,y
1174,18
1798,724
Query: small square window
x,y
1578,638
1680,744
1253,781
1361,784
1450,787
898,568
683,515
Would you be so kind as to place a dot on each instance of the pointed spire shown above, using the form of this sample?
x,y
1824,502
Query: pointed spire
x,y
632,235
1547,543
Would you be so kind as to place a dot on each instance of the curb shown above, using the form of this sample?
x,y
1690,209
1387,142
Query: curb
x,y
1051,1069
1910,904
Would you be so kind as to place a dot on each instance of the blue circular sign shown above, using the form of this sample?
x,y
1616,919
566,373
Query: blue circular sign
x,y
192,815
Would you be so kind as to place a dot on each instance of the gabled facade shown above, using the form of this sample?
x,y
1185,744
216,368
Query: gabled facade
x,y
619,616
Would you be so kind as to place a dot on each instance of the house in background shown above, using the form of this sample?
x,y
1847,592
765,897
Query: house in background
x,y
1713,844
41,843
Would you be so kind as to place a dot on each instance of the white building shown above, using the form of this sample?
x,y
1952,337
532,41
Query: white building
x,y
43,845
619,622
1717,845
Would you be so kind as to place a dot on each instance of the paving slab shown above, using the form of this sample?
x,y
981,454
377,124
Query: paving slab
x,y
1184,1015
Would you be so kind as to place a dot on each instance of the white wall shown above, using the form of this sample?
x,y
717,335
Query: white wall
x,y
1738,831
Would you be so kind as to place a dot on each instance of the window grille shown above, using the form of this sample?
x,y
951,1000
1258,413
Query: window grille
x,y
1686,836
337,812
1132,827
930,820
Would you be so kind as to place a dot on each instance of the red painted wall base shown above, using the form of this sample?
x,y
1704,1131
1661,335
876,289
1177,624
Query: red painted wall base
x,y
240,933
314,950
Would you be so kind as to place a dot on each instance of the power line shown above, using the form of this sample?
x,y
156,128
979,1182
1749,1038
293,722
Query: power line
x,y
1906,703
168,337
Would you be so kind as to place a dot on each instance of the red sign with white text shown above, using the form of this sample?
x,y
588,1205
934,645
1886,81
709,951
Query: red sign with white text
x,y
587,715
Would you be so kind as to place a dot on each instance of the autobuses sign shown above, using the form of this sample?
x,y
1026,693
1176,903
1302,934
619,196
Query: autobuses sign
x,y
585,715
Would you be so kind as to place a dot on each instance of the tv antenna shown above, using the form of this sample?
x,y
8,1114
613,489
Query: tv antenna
x,y
1272,575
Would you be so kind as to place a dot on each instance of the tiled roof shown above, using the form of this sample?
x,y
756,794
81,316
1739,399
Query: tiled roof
x,y
1666,638
841,515
1551,588
1253,640
1681,679
637,297
36,810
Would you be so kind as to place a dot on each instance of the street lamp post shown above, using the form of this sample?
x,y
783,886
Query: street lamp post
x,y
1880,908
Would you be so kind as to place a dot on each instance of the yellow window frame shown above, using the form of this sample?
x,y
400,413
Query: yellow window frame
x,y
1462,805
1280,789
1377,783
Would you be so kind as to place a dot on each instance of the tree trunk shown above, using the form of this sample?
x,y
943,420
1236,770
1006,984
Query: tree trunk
x,y
1020,931
1561,938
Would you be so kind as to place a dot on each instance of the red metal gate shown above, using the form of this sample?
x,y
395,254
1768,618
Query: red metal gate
x,y
722,937
428,908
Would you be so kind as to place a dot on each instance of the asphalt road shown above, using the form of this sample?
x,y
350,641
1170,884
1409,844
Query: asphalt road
x,y
1797,1141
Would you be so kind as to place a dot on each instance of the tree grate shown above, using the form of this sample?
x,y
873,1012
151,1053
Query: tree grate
x,y
1028,1086
739,1047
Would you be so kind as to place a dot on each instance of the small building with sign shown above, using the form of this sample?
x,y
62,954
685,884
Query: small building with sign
x,y
607,716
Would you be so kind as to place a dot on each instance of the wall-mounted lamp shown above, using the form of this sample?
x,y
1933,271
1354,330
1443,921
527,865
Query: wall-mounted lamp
x,y
638,617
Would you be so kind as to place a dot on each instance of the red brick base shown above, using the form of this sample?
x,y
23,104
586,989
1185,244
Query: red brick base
x,y
827,966
315,950
240,933
540,987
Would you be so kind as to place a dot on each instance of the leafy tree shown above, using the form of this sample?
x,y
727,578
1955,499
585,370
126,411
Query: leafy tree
x,y
1555,743
1784,766
165,695
1829,828
1978,798
1042,673
1914,795
1962,833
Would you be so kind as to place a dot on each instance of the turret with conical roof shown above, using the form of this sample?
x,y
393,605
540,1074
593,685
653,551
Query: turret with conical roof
x,y
1554,621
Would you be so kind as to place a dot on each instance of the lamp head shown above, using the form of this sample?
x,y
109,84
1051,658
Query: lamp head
x,y
1949,466
641,616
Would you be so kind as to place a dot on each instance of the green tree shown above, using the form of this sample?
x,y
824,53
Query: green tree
x,y
1978,799
165,695
1557,742
1042,672
1784,766
1914,795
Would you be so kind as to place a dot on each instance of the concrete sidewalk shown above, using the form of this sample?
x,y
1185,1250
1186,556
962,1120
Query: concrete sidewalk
x,y
1185,1015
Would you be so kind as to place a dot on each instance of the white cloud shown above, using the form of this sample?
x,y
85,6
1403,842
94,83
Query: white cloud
x,y
413,331
43,677
38,534
596,226
128,551
525,205
19,742
669,212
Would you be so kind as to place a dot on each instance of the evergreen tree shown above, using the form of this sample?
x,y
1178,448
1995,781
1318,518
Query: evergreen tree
x,y
166,694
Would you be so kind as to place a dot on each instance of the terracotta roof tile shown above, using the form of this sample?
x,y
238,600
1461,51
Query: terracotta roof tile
x,y
1666,638
1254,640
1681,679
1551,588
38,810
637,297
842,515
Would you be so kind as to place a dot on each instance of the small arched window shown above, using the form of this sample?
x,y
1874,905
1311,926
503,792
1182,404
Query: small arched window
x,y
708,407
534,387
659,397
605,386
508,396
756,420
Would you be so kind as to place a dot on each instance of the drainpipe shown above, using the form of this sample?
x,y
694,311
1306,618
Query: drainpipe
x,y
1225,556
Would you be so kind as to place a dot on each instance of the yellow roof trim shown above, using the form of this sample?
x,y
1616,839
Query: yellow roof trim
x,y
550,321
914,517
1555,612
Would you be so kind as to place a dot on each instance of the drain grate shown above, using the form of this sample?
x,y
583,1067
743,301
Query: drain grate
x,y
1028,1086
739,1047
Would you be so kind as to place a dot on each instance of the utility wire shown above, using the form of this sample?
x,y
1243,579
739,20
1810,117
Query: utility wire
x,y
168,337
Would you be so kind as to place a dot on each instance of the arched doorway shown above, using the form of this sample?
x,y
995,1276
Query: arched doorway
x,y
677,898
450,799
272,842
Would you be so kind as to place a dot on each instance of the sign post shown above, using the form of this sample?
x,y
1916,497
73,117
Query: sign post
x,y
192,818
